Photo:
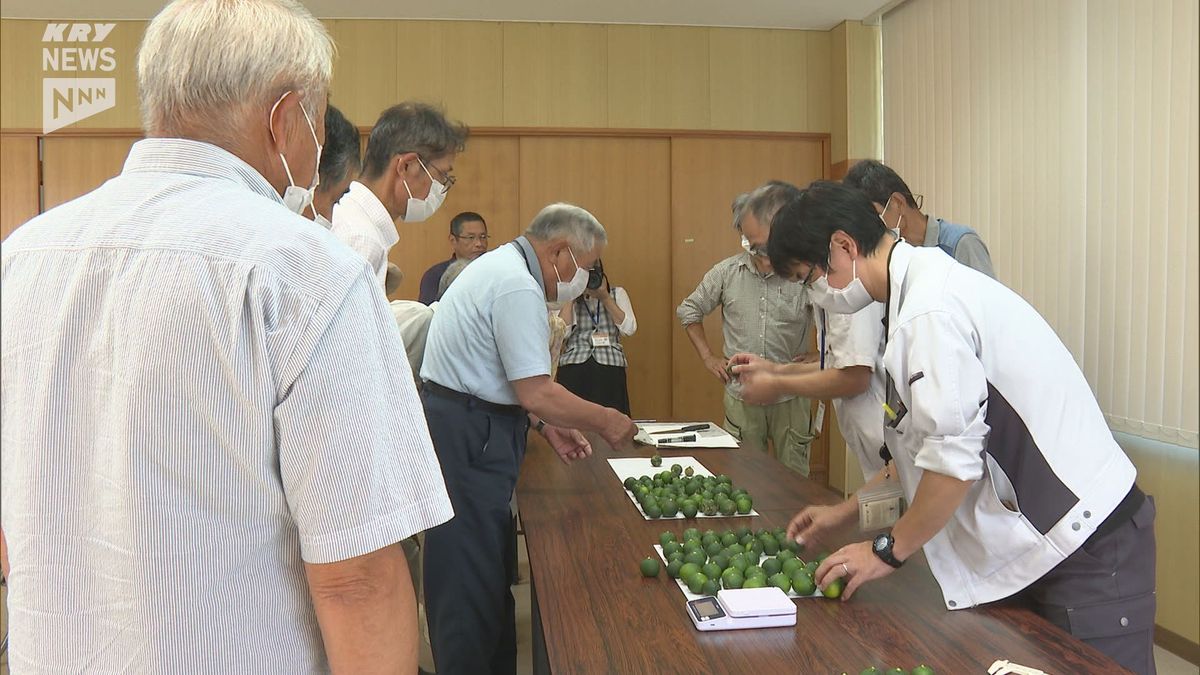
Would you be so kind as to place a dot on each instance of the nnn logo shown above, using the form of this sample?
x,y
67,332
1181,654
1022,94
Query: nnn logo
x,y
67,100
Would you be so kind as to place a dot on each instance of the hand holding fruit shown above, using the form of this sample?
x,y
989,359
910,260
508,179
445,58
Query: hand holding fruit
x,y
568,444
855,565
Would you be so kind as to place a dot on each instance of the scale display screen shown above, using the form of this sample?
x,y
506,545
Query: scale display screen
x,y
706,609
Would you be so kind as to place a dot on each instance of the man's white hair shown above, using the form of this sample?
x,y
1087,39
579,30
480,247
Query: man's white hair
x,y
208,63
567,221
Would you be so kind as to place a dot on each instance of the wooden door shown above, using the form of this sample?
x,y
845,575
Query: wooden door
x,y
18,181
706,174
73,166
625,183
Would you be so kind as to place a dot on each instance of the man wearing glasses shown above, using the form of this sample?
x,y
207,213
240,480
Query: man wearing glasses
x,y
762,314
406,175
468,241
900,210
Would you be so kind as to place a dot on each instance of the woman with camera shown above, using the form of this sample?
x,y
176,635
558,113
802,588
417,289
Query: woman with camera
x,y
592,365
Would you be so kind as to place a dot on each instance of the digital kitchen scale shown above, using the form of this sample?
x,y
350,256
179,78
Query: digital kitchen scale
x,y
740,608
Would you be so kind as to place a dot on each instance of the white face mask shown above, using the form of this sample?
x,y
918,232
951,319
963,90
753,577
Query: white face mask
x,y
752,250
323,222
296,198
846,300
570,290
419,210
894,230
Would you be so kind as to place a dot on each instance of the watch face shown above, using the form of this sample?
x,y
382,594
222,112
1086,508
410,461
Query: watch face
x,y
880,542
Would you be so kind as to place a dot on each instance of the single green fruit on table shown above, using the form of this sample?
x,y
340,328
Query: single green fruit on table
x,y
676,469
922,670
650,567
656,460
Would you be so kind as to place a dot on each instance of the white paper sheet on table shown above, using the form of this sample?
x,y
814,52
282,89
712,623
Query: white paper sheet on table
x,y
636,467
713,437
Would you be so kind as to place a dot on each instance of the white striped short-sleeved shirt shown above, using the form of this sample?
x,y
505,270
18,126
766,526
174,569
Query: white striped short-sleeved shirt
x,y
201,391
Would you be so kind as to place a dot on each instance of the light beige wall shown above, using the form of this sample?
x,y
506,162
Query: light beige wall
x,y
1067,134
517,74
855,92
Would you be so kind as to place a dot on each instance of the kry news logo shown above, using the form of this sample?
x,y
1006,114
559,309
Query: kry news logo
x,y
67,100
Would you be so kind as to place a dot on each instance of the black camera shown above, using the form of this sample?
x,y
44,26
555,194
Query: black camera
x,y
596,276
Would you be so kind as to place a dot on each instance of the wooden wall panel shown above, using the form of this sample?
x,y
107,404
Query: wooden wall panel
x,y
365,74
706,174
658,77
18,182
73,166
759,79
555,75
21,74
625,183
456,64
487,184
516,74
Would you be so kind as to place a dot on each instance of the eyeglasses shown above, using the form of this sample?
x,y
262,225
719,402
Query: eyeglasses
x,y
473,238
807,281
445,179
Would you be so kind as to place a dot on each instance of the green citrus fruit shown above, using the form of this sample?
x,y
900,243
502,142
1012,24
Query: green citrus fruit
x,y
656,460
670,546
669,507
697,557
834,588
922,670
650,567
652,511
790,565
732,578
695,583
711,570
802,583
673,568
772,566
755,582
780,581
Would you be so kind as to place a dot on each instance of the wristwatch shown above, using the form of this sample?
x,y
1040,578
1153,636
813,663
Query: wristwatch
x,y
539,426
883,549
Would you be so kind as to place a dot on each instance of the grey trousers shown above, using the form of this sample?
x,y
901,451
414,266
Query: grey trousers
x,y
1103,593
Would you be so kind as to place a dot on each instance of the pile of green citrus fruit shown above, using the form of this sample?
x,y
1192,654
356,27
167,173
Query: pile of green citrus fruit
x,y
677,490
740,558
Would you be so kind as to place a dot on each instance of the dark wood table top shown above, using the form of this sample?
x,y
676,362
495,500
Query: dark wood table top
x,y
585,540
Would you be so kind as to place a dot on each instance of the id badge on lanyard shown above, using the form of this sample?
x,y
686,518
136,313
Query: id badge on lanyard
x,y
598,339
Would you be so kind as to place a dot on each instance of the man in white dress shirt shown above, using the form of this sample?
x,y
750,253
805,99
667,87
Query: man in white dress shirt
x,y
406,174
212,442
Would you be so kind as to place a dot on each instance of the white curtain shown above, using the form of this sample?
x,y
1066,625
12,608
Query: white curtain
x,y
1066,133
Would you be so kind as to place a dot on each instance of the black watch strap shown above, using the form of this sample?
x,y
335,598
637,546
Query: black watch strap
x,y
882,546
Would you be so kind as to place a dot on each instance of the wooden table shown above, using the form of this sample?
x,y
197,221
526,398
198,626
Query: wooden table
x,y
594,613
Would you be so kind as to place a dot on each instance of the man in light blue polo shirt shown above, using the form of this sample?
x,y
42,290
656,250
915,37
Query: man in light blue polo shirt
x,y
487,380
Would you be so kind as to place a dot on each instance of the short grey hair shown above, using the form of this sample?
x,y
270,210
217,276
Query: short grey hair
x,y
567,221
412,126
766,200
739,209
452,271
212,62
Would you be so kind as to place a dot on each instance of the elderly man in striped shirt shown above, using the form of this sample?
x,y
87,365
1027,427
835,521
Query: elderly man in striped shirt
x,y
212,440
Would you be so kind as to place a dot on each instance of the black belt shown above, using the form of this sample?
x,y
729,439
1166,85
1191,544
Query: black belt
x,y
1124,511
473,401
